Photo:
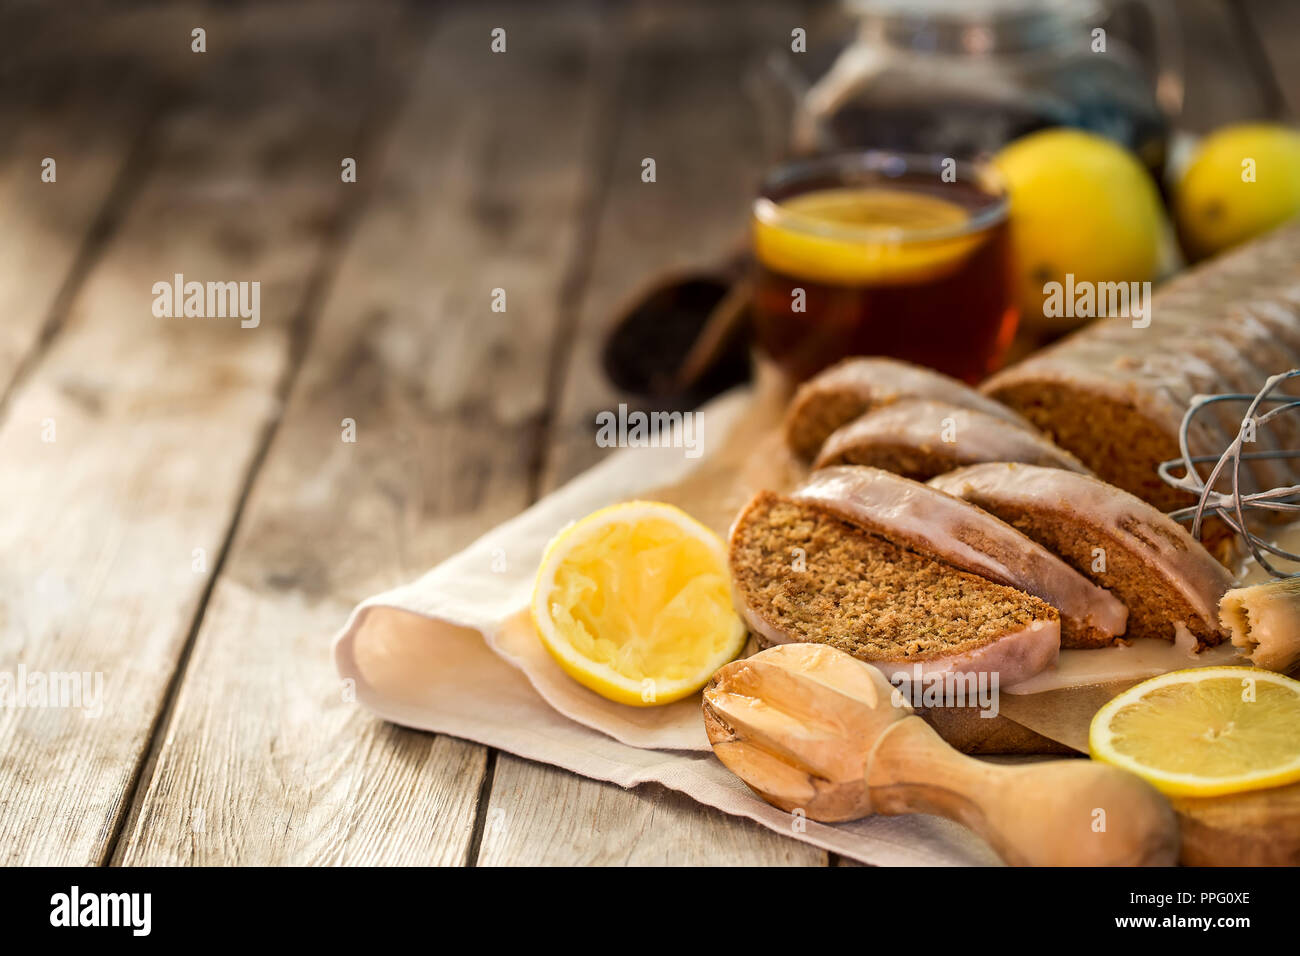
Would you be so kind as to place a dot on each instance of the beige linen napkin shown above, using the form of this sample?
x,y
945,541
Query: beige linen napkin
x,y
454,652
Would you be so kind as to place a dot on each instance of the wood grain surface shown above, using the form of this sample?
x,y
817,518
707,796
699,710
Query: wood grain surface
x,y
157,427
198,528
482,176
50,232
681,102
1269,29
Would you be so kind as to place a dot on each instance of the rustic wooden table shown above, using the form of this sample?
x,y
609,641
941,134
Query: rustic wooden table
x,y
180,512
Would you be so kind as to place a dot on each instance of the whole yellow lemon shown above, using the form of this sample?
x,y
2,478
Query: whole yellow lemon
x,y
1081,206
1242,181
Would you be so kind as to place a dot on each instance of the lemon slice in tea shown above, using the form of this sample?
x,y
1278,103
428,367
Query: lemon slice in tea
x,y
861,235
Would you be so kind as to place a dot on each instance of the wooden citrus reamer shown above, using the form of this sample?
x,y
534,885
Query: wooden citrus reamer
x,y
809,727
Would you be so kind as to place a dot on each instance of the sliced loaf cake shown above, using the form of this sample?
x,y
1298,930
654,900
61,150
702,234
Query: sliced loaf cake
x,y
920,438
804,574
856,385
951,530
1163,574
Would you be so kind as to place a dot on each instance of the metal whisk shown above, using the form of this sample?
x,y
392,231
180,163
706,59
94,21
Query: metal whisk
x,y
1232,507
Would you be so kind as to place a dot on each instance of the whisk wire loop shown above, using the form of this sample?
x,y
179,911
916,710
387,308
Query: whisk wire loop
x,y
1234,506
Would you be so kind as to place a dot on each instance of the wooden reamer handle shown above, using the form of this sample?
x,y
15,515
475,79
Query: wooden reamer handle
x,y
1056,813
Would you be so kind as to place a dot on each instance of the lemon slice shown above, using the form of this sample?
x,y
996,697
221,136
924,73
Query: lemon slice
x,y
1204,731
634,602
852,236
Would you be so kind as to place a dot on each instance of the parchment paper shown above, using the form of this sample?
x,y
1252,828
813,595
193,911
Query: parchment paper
x,y
454,652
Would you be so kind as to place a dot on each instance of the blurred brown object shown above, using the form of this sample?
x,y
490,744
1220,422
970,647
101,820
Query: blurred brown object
x,y
684,337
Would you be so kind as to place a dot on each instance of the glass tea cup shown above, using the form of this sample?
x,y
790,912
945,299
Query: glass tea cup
x,y
880,253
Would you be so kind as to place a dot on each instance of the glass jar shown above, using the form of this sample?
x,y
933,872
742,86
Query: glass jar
x,y
964,77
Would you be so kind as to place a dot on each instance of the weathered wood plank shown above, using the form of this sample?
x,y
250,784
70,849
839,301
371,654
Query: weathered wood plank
x,y
479,188
45,227
683,103
1274,27
155,424
1222,85
542,816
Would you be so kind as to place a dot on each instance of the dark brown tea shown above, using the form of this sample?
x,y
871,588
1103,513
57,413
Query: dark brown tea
x,y
877,255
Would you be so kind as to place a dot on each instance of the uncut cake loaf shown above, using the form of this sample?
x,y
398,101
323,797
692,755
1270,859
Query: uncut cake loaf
x,y
854,386
1114,395
920,438
1165,578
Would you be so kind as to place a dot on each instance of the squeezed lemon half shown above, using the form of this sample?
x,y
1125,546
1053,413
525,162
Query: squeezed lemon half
x,y
1204,731
634,602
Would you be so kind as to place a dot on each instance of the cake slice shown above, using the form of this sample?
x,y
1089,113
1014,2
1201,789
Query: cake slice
x,y
920,438
856,385
953,531
803,574
1163,574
